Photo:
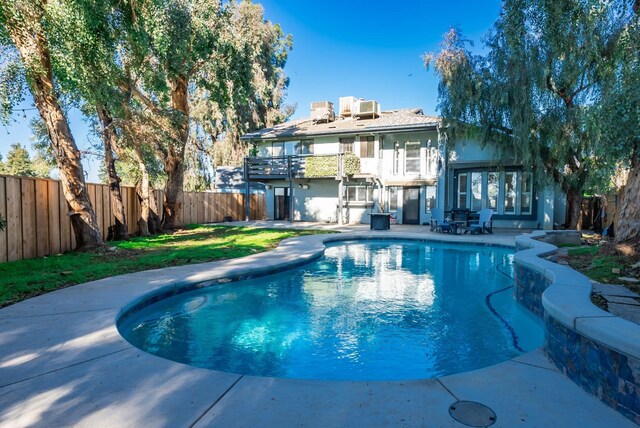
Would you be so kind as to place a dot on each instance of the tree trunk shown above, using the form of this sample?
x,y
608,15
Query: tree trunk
x,y
627,221
120,231
155,225
149,221
574,208
35,56
143,196
174,164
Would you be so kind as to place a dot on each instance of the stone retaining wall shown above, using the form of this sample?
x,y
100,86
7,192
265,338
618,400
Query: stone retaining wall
x,y
598,351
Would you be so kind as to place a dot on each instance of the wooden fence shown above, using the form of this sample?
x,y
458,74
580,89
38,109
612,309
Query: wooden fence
x,y
38,223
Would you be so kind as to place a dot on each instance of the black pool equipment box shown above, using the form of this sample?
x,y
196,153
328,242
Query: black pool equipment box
x,y
380,221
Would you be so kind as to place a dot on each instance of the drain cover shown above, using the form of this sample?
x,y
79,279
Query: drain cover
x,y
472,414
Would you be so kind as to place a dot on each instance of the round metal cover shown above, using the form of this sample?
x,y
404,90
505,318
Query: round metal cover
x,y
472,414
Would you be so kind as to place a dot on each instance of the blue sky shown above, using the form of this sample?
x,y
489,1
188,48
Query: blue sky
x,y
367,49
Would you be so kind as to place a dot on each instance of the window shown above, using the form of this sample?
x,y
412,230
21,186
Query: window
x,y
366,147
507,193
396,158
412,158
432,161
304,147
510,186
476,191
359,194
380,151
393,199
493,186
277,149
525,193
462,190
430,202
346,145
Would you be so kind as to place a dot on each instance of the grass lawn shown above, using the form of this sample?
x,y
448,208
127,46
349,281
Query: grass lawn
x,y
596,266
22,279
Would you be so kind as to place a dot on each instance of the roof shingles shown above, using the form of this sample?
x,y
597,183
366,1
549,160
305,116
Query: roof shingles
x,y
396,119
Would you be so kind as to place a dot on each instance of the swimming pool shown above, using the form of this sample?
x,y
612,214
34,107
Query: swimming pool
x,y
367,310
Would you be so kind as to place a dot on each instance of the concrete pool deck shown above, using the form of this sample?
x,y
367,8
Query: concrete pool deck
x,y
63,363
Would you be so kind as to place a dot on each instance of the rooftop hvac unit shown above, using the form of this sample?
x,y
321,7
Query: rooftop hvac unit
x,y
322,111
367,109
347,106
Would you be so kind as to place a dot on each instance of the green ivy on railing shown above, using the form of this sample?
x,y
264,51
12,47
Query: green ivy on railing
x,y
351,164
321,166
327,166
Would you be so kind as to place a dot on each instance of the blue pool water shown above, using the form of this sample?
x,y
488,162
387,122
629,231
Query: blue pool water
x,y
367,310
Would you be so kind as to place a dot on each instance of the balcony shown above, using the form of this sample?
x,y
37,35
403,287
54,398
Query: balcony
x,y
302,167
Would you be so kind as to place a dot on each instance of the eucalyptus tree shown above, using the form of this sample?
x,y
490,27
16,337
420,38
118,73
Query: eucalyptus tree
x,y
84,42
259,103
28,60
174,47
533,93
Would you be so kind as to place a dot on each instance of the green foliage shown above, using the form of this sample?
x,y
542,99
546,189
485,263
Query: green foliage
x,y
261,53
26,278
536,92
321,166
133,59
598,267
18,162
350,164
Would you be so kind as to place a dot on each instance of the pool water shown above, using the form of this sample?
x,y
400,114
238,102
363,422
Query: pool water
x,y
367,310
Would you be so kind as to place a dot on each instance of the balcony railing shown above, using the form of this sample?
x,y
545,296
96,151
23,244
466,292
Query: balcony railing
x,y
302,166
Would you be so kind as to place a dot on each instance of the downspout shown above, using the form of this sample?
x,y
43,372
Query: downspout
x,y
247,189
340,189
380,193
291,198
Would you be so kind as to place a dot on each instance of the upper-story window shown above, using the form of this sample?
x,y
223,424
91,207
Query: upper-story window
x,y
277,149
304,147
396,158
346,145
432,160
412,158
367,147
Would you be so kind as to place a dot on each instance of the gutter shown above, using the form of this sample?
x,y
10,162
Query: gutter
x,y
379,129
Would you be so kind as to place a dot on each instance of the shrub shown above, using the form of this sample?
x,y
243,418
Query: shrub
x,y
321,166
351,164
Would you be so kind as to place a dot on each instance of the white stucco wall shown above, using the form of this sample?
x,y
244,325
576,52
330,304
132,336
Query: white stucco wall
x,y
317,203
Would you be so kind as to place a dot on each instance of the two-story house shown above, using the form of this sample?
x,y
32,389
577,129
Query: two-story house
x,y
340,169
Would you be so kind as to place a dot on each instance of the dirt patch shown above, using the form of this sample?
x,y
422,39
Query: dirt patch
x,y
599,301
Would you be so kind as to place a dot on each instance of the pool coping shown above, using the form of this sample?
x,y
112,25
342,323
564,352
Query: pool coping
x,y
599,351
63,362
568,298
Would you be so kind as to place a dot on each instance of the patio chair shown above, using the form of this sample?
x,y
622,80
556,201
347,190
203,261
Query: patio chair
x,y
483,224
438,222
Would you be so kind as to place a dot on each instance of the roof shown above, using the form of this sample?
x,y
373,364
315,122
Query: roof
x,y
405,119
